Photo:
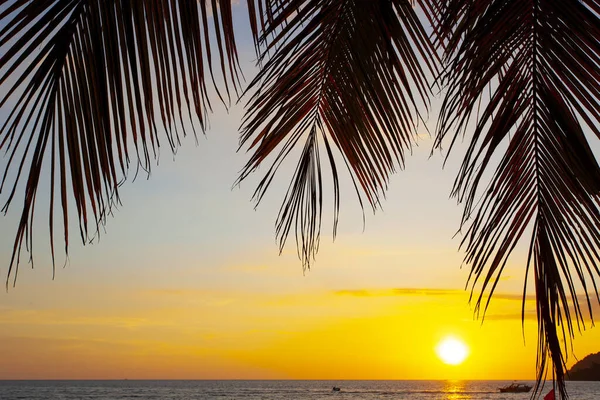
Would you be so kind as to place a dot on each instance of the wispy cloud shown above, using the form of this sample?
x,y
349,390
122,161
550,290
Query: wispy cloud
x,y
398,292
61,317
424,292
198,297
492,315
178,292
528,315
249,268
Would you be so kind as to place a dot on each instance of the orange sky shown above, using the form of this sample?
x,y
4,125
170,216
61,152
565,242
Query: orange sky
x,y
259,320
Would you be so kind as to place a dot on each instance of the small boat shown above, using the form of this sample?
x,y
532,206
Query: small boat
x,y
515,388
335,389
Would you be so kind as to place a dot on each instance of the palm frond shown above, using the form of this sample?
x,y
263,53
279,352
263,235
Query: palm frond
x,y
343,74
88,85
540,62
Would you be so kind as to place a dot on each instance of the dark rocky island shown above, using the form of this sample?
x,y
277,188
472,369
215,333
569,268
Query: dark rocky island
x,y
587,369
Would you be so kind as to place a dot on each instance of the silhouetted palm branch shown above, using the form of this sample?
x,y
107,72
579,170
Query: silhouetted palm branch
x,y
89,85
540,61
342,74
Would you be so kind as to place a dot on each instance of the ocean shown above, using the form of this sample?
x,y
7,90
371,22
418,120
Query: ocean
x,y
266,390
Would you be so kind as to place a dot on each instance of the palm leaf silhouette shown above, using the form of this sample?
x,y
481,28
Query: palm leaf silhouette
x,y
346,75
538,60
90,84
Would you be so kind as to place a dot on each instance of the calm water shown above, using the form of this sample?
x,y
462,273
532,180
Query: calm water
x,y
265,390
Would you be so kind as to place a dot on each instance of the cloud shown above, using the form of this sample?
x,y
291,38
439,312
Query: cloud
x,y
178,292
516,297
63,317
398,292
529,315
512,298
251,268
530,312
198,297
425,292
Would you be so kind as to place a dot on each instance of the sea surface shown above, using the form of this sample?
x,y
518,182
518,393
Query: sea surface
x,y
266,390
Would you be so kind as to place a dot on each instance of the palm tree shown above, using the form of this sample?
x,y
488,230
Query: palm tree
x,y
93,86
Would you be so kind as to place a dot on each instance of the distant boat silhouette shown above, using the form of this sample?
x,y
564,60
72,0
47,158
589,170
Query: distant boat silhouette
x,y
515,388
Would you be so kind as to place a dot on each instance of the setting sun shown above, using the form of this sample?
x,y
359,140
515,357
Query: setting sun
x,y
452,351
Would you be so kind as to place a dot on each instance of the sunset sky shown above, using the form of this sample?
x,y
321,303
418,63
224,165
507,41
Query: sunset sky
x,y
187,283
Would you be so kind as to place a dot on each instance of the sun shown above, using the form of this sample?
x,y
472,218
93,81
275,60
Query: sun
x,y
452,351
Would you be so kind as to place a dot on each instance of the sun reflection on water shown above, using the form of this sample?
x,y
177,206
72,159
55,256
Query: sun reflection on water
x,y
456,390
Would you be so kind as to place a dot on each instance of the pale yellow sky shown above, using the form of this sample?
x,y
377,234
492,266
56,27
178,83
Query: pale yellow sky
x,y
187,283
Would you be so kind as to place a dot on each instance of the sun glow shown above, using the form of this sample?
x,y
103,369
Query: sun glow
x,y
452,351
